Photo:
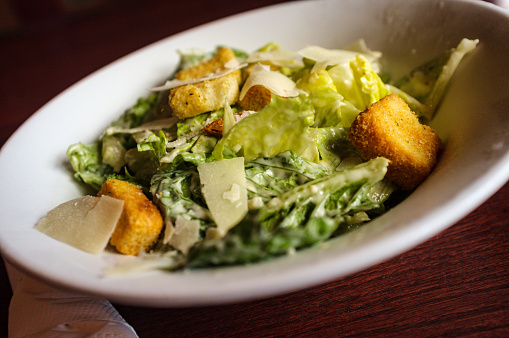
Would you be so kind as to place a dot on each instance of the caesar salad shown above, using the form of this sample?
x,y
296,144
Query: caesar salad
x,y
241,157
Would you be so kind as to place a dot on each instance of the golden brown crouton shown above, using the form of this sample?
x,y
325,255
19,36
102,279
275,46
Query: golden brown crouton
x,y
256,98
140,223
217,63
388,128
197,98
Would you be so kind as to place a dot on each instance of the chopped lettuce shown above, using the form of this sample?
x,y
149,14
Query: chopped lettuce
x,y
155,143
301,217
268,177
86,162
178,193
113,152
137,114
335,150
358,83
331,109
282,125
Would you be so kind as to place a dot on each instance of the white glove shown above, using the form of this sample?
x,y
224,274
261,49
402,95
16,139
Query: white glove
x,y
40,310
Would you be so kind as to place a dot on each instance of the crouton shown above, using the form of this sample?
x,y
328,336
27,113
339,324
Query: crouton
x,y
194,99
388,128
214,129
140,224
217,63
256,98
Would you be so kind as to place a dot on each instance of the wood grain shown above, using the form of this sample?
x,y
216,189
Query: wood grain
x,y
456,284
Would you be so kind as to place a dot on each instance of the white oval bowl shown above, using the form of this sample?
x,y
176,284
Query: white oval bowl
x,y
472,120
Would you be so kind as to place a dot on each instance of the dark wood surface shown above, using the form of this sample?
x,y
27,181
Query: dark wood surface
x,y
456,284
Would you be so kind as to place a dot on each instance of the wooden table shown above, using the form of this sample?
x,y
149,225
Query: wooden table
x,y
456,284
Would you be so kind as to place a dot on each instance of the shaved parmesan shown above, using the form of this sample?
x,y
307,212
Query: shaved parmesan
x,y
276,82
185,234
224,189
85,223
333,57
152,125
168,230
232,195
231,64
170,84
279,57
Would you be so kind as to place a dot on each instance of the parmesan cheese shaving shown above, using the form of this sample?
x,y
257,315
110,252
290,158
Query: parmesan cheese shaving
x,y
231,64
170,84
276,82
224,189
280,57
152,125
169,229
331,56
186,233
85,223
228,118
233,194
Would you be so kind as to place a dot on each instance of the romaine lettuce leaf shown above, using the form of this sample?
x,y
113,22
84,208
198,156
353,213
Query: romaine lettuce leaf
x,y
155,143
194,124
358,83
113,152
86,161
284,124
301,217
178,194
268,177
141,164
138,113
335,149
330,107
427,83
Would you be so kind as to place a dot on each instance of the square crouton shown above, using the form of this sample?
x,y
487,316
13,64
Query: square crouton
x,y
141,222
198,98
388,128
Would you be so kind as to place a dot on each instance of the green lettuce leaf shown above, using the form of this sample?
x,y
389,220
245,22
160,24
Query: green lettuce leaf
x,y
335,149
427,83
155,143
141,164
301,217
178,193
138,113
113,151
268,177
284,124
86,161
358,83
331,109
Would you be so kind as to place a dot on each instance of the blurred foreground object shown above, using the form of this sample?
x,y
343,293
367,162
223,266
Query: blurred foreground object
x,y
39,310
